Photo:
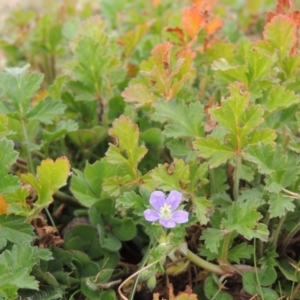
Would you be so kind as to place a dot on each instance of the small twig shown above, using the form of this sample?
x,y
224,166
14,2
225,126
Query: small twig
x,y
132,276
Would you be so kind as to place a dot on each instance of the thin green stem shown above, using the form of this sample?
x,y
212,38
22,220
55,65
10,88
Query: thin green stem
x,y
30,167
260,243
202,263
256,272
289,237
277,232
212,181
225,248
237,171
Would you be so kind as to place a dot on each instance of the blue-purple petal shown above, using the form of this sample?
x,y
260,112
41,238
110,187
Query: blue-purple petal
x,y
157,200
174,199
180,216
167,223
151,215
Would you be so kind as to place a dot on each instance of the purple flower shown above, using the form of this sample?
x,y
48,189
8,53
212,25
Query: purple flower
x,y
165,209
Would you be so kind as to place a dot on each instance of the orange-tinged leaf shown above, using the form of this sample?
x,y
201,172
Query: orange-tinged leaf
x,y
283,6
192,21
162,54
281,35
177,31
204,4
156,2
3,205
41,95
214,25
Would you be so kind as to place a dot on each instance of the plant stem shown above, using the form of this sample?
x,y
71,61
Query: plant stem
x,y
291,234
236,183
256,272
260,243
30,167
201,262
277,231
225,248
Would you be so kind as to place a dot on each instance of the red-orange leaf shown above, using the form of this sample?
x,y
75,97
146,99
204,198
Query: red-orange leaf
x,y
214,25
192,21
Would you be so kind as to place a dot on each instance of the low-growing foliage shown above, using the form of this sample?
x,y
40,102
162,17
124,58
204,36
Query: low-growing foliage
x,y
146,145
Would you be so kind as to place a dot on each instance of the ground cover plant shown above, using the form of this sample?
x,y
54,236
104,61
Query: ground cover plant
x,y
150,150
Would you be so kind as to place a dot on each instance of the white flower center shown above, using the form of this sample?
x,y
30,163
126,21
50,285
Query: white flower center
x,y
165,212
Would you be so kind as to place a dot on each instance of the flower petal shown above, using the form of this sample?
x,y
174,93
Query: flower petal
x,y
151,215
174,199
157,199
167,223
180,216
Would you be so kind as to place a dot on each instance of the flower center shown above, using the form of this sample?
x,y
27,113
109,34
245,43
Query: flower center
x,y
165,212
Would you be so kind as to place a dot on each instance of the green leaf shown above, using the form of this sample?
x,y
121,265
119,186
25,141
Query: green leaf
x,y
60,130
243,218
253,283
259,65
263,156
132,38
238,117
126,153
124,229
46,111
226,74
20,87
281,172
280,205
139,94
288,269
279,98
213,149
281,35
171,177
212,238
87,186
186,121
131,200
202,207
8,156
212,290
240,251
153,136
50,177
14,229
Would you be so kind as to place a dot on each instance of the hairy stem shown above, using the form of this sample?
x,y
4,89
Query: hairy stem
x,y
202,263
30,167
237,171
277,232
225,248
291,234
